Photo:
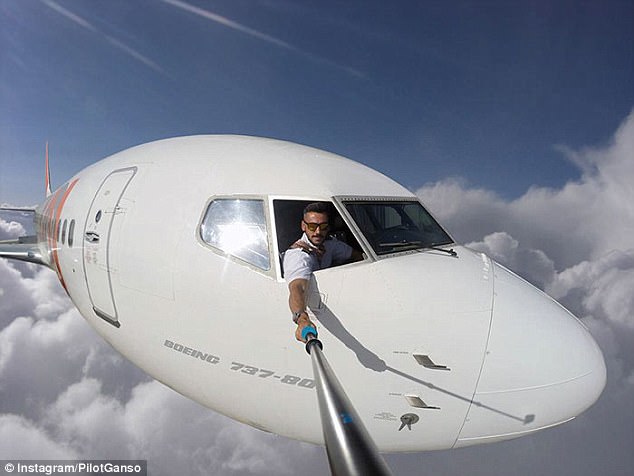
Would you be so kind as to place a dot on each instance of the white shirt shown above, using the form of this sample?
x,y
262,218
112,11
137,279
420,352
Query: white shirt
x,y
299,264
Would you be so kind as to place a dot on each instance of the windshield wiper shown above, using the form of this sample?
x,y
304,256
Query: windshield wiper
x,y
450,251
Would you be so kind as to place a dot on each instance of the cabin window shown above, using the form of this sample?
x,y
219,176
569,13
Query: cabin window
x,y
64,231
71,233
392,226
238,228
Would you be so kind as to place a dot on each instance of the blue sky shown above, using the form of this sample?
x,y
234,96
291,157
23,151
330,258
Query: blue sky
x,y
485,91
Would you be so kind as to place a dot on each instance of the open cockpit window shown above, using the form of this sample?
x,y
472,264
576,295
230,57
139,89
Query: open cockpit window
x,y
392,226
238,228
288,218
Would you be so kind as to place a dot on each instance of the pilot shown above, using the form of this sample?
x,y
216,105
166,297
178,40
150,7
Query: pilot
x,y
313,251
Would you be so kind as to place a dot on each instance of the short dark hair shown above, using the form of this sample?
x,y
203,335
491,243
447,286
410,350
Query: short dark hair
x,y
317,207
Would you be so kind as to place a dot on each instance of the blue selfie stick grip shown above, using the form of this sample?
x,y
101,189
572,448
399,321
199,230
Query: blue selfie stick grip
x,y
308,330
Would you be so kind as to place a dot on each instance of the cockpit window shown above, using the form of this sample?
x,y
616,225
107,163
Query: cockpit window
x,y
288,218
238,228
392,226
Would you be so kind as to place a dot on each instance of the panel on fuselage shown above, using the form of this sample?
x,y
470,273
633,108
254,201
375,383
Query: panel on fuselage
x,y
101,216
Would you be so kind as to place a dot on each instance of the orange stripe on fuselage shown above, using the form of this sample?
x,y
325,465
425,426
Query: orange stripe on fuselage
x,y
56,221
49,226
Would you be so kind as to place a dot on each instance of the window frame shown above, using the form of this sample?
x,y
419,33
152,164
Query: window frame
x,y
341,200
358,237
64,227
71,233
271,271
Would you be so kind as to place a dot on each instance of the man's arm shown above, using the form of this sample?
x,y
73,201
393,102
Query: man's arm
x,y
297,303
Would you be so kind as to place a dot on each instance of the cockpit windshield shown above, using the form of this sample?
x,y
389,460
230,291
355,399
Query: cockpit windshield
x,y
393,226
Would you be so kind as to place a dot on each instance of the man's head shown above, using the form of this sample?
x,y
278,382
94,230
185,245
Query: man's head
x,y
315,222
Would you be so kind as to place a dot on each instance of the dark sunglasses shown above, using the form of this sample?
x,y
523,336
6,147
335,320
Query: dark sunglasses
x,y
314,226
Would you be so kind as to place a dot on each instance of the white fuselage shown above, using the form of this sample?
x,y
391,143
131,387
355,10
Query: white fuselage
x,y
509,360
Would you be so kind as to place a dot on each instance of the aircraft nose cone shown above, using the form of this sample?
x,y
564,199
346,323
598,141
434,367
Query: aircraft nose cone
x,y
541,367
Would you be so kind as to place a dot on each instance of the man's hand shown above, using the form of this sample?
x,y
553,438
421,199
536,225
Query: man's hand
x,y
302,322
317,250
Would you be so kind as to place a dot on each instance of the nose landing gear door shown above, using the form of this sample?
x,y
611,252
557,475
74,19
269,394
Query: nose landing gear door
x,y
97,238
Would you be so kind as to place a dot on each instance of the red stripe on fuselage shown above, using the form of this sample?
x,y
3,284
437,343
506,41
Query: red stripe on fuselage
x,y
56,221
49,226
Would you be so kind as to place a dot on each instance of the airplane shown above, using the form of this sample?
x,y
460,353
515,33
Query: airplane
x,y
172,251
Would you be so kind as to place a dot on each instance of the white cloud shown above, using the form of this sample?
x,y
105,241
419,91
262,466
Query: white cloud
x,y
535,266
584,220
15,299
607,285
14,224
10,229
21,439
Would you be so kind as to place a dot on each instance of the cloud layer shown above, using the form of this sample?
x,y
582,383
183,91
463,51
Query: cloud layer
x,y
584,220
64,393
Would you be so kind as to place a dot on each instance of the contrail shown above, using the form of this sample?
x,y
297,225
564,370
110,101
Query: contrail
x,y
224,21
229,23
113,41
70,15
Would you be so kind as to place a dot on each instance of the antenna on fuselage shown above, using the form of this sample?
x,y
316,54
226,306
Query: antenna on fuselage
x,y
350,448
48,174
